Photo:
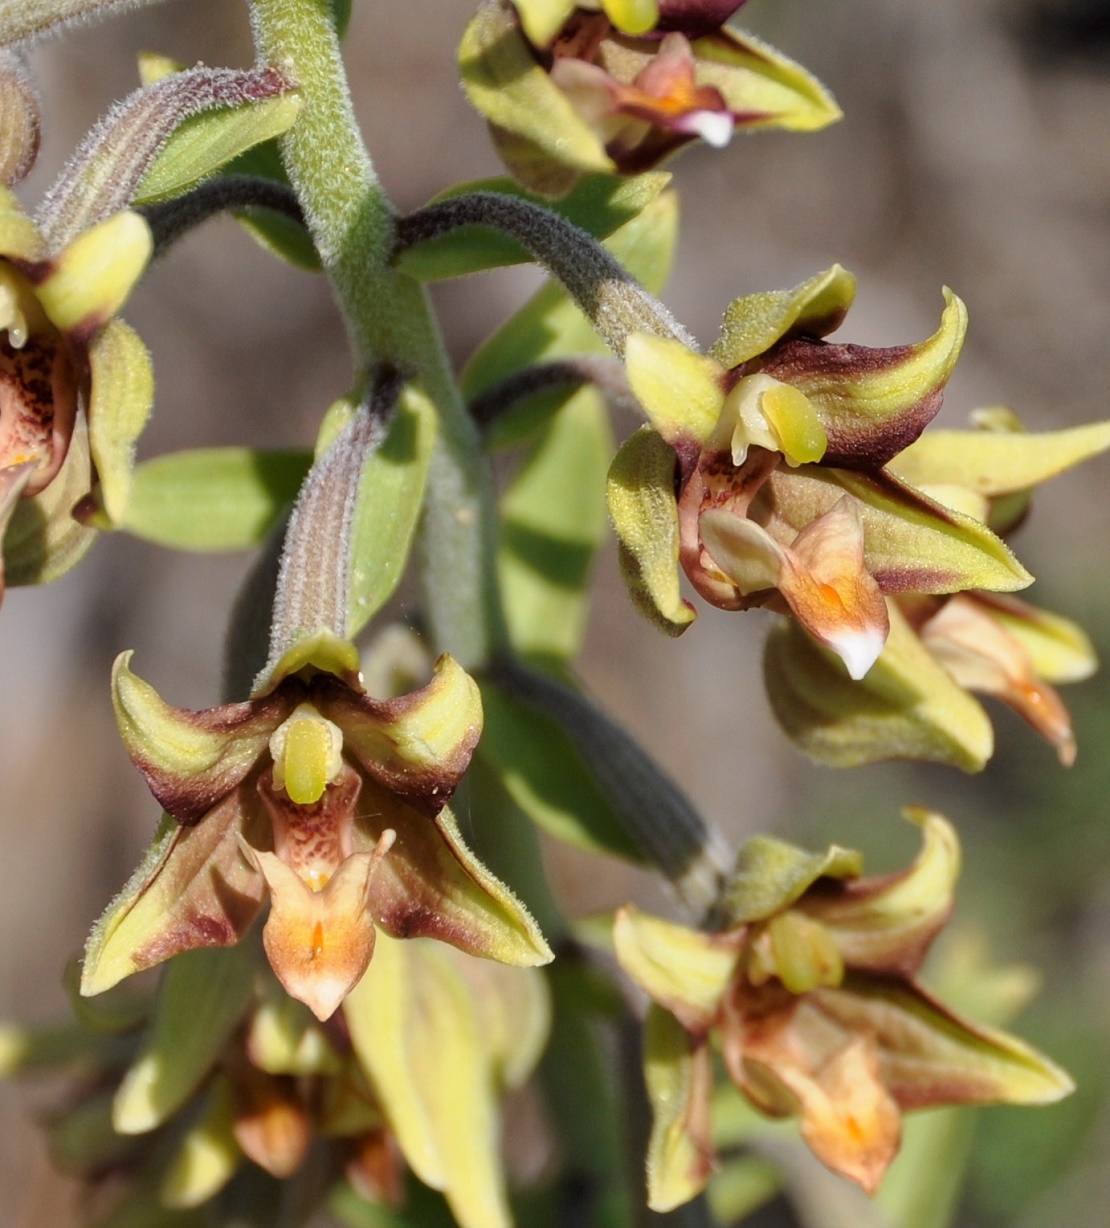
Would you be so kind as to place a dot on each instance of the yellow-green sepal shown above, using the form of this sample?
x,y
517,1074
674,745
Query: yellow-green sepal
x,y
678,1077
600,205
685,970
202,144
1060,650
754,323
91,279
120,403
542,19
995,463
771,875
766,88
681,392
543,140
212,499
644,512
553,521
203,997
907,707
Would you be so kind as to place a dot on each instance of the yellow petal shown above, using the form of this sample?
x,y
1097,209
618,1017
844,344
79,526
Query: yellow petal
x,y
680,391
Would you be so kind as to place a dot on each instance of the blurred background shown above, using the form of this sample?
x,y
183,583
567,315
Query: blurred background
x,y
975,152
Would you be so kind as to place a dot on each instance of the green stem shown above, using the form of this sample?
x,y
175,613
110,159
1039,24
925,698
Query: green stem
x,y
388,319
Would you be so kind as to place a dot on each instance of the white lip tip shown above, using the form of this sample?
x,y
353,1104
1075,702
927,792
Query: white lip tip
x,y
859,650
714,127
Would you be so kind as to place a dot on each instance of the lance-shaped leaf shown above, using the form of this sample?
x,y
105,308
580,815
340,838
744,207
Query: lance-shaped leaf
x,y
930,1056
212,498
872,402
130,156
546,143
995,463
912,543
553,520
550,325
600,205
680,391
191,759
416,1029
19,120
754,323
685,970
907,707
644,512
678,1075
203,997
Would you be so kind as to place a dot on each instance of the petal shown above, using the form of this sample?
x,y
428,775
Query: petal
x,y
542,19
822,577
983,655
319,943
887,924
431,885
1061,651
679,1078
680,391
873,403
192,759
771,875
685,970
120,400
193,889
754,323
271,1124
417,745
92,278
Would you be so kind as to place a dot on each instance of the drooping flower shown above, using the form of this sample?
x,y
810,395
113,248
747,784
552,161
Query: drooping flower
x,y
75,382
810,993
328,801
570,89
763,474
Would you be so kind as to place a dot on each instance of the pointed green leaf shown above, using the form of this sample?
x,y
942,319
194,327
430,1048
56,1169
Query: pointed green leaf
x,y
390,498
203,143
417,1033
203,997
119,406
907,707
553,521
600,204
213,498
754,323
549,325
644,512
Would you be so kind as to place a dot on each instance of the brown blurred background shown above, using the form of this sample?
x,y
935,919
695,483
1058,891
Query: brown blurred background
x,y
975,152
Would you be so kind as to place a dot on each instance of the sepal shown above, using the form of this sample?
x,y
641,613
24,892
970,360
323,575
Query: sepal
x,y
20,121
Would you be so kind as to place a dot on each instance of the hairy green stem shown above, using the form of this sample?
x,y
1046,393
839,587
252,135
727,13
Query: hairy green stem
x,y
388,318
